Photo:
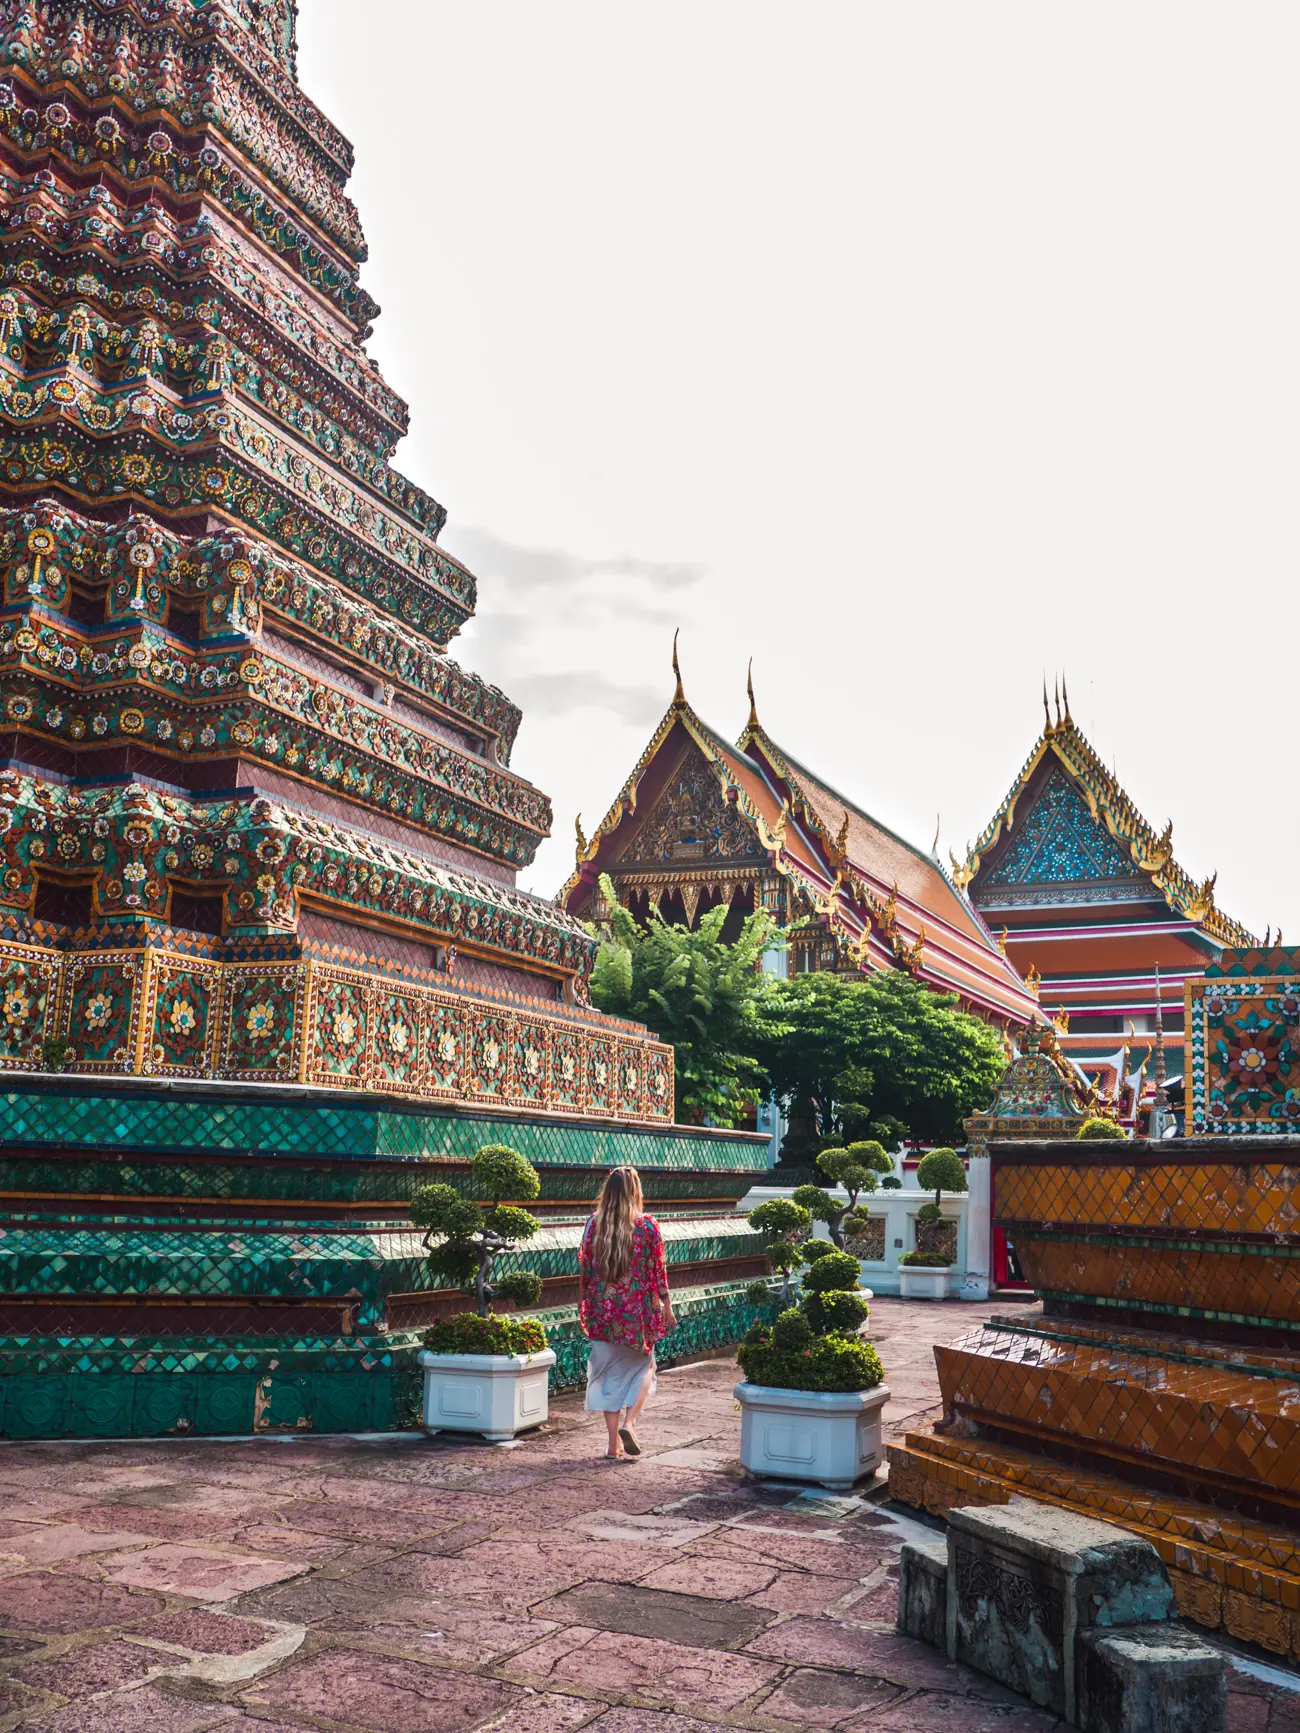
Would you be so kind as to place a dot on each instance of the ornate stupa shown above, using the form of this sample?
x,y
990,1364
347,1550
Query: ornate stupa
x,y
260,833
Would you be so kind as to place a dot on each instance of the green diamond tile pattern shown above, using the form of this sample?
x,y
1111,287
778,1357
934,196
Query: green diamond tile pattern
x,y
266,1179
111,1260
328,1130
133,1387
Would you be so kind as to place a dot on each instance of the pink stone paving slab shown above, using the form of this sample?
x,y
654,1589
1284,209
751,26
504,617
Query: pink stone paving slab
x,y
544,1713
693,1620
147,1710
367,1521
392,1696
719,1579
158,1522
936,1712
883,1654
43,1546
206,1573
826,1554
14,1697
608,1561
650,1721
637,1529
206,1633
813,1698
501,1581
436,1628
99,1667
277,1540
806,1592
878,1605
646,1668
464,1534
59,1604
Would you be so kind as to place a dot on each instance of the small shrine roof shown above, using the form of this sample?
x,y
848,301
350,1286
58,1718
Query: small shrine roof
x,y
1063,742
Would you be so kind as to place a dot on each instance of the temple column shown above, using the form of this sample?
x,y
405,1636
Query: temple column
x,y
770,1118
979,1223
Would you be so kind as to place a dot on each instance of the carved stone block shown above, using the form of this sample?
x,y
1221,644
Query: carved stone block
x,y
1150,1679
1025,1579
923,1590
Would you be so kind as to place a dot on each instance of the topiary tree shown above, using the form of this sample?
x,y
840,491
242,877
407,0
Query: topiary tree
x,y
857,1167
470,1238
940,1171
784,1223
1098,1126
816,1345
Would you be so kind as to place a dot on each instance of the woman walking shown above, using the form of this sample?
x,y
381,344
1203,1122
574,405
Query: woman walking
x,y
624,1305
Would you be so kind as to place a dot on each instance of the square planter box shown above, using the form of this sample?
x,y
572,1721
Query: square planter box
x,y
917,1282
495,1394
828,1436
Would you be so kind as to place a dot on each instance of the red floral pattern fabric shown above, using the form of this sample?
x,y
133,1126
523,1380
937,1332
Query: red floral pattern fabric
x,y
625,1311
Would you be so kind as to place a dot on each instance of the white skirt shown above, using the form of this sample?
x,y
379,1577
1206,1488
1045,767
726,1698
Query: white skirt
x,y
617,1376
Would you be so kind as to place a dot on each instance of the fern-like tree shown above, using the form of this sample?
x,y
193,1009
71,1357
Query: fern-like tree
x,y
464,1239
690,988
857,1167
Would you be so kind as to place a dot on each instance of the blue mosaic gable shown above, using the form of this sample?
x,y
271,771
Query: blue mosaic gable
x,y
1058,841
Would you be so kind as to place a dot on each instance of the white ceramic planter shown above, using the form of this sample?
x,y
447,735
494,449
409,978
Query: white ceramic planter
x,y
927,1282
495,1394
828,1436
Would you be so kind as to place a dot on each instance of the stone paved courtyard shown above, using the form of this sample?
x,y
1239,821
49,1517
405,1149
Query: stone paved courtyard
x,y
404,1585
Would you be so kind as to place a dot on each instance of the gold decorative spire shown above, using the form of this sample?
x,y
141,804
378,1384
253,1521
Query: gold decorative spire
x,y
1065,694
749,687
582,841
1057,695
934,846
1047,714
679,696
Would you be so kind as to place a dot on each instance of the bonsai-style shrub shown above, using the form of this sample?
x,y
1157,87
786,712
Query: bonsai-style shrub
x,y
857,1168
784,1223
464,1239
817,1344
1097,1126
814,1249
891,1182
940,1171
758,1293
927,1260
471,1334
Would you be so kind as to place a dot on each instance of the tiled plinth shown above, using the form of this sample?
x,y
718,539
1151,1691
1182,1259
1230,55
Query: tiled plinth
x,y
240,1261
1160,1385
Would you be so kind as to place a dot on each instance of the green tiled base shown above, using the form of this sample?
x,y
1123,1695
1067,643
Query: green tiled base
x,y
264,1120
274,1220
83,1389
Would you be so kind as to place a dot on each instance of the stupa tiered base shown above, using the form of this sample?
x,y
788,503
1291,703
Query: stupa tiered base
x,y
1158,1386
207,1259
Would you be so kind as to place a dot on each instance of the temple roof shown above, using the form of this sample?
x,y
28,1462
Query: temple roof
x,y
1135,844
890,905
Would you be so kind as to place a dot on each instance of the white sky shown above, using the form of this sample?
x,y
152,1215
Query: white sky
x,y
910,349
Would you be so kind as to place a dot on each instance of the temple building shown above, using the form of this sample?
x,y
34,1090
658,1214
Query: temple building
x,y
260,833
1095,912
700,822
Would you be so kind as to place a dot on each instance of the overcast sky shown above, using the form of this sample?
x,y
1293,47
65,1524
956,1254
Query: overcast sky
x,y
910,349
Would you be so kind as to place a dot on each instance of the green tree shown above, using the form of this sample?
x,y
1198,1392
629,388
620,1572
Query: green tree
x,y
880,1057
464,1240
857,1168
783,1223
690,988
1099,1127
940,1171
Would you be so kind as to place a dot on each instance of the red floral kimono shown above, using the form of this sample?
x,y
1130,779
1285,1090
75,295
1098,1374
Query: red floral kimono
x,y
625,1312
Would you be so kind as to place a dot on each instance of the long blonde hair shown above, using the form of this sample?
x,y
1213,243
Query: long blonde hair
x,y
618,1209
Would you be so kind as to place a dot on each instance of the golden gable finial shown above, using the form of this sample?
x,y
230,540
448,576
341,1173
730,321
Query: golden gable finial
x,y
679,696
749,687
